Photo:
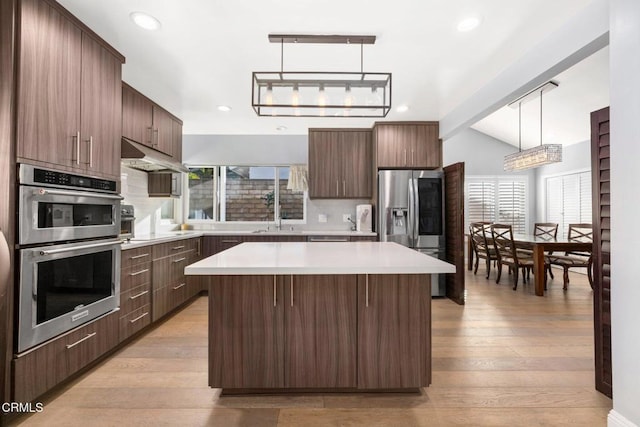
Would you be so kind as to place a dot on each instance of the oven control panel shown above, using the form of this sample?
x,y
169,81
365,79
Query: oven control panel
x,y
63,179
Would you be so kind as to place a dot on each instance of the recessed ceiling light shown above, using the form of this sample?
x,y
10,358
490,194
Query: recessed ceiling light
x,y
468,24
224,108
281,128
144,20
402,108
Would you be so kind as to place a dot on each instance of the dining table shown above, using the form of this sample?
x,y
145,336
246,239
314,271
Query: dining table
x,y
539,245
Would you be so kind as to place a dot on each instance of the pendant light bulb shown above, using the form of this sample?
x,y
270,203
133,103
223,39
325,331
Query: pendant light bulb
x,y
348,97
268,96
295,96
322,96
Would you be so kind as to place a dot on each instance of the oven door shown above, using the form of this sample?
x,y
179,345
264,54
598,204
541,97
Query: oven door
x,y
54,215
64,286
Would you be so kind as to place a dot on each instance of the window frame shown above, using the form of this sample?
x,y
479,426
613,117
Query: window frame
x,y
218,208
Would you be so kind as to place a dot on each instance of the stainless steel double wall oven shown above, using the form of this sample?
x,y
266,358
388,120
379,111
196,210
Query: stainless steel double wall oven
x,y
69,252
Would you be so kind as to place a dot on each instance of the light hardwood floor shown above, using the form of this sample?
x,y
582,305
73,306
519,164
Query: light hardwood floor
x,y
505,359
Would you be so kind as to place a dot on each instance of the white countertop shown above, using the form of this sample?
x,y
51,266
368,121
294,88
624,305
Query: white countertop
x,y
319,258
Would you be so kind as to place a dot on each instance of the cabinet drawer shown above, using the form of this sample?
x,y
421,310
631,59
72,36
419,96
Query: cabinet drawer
x,y
44,367
165,249
135,321
136,256
167,298
134,299
135,276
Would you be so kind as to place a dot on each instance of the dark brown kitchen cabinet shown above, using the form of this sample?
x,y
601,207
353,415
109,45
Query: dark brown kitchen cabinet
x,y
69,93
176,135
49,364
320,331
407,145
214,244
394,331
340,163
246,340
137,116
147,123
169,284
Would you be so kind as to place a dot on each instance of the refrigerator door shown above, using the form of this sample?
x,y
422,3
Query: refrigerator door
x,y
394,222
428,193
438,281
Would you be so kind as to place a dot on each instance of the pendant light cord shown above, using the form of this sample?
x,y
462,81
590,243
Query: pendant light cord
x,y
281,55
520,126
361,57
541,116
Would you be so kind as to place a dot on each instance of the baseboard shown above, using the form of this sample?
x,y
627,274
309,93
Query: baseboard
x,y
616,420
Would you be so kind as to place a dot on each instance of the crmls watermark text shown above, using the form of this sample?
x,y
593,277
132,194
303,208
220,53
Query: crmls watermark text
x,y
21,407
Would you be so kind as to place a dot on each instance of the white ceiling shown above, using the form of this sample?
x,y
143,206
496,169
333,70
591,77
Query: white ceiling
x,y
205,51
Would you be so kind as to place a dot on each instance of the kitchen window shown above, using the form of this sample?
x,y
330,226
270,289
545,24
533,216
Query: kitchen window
x,y
243,194
497,199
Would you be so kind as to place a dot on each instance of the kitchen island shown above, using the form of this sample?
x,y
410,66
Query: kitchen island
x,y
319,316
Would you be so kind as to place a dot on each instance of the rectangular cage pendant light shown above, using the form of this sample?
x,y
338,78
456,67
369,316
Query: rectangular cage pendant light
x,y
321,93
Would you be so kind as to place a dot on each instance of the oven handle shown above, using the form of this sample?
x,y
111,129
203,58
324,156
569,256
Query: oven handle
x,y
44,191
75,248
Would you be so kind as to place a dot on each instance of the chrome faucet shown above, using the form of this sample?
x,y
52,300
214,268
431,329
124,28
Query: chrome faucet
x,y
353,225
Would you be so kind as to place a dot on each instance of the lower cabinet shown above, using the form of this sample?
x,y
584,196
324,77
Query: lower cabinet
x,y
320,331
394,331
48,365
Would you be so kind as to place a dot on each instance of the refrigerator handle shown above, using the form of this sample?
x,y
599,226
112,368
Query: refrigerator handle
x,y
416,211
411,214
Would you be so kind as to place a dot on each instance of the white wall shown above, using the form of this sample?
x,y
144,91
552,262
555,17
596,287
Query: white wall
x,y
625,205
271,150
575,158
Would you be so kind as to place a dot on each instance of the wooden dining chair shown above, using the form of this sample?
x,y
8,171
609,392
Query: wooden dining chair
x,y
580,233
508,255
480,244
546,230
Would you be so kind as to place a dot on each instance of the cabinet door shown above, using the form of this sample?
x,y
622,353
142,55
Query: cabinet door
x,y
356,164
137,116
177,140
394,331
162,131
325,164
320,331
48,113
427,152
245,332
101,112
393,149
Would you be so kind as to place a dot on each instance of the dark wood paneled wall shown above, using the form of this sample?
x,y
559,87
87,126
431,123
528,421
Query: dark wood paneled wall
x,y
600,173
454,229
7,187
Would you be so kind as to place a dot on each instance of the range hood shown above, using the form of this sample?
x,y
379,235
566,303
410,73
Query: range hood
x,y
138,156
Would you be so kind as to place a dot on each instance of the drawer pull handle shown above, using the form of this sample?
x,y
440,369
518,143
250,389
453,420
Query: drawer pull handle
x,y
179,260
139,272
175,288
139,317
138,295
175,248
139,256
230,241
91,335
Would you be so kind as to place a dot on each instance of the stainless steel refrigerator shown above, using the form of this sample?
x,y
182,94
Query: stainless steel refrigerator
x,y
411,213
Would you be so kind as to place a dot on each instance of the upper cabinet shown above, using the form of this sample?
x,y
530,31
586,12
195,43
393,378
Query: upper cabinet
x,y
407,145
340,163
145,122
69,100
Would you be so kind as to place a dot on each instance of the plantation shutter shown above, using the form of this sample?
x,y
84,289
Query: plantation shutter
x,y
569,200
481,202
512,205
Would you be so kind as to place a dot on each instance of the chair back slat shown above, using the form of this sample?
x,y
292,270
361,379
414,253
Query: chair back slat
x,y
580,233
503,240
545,230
